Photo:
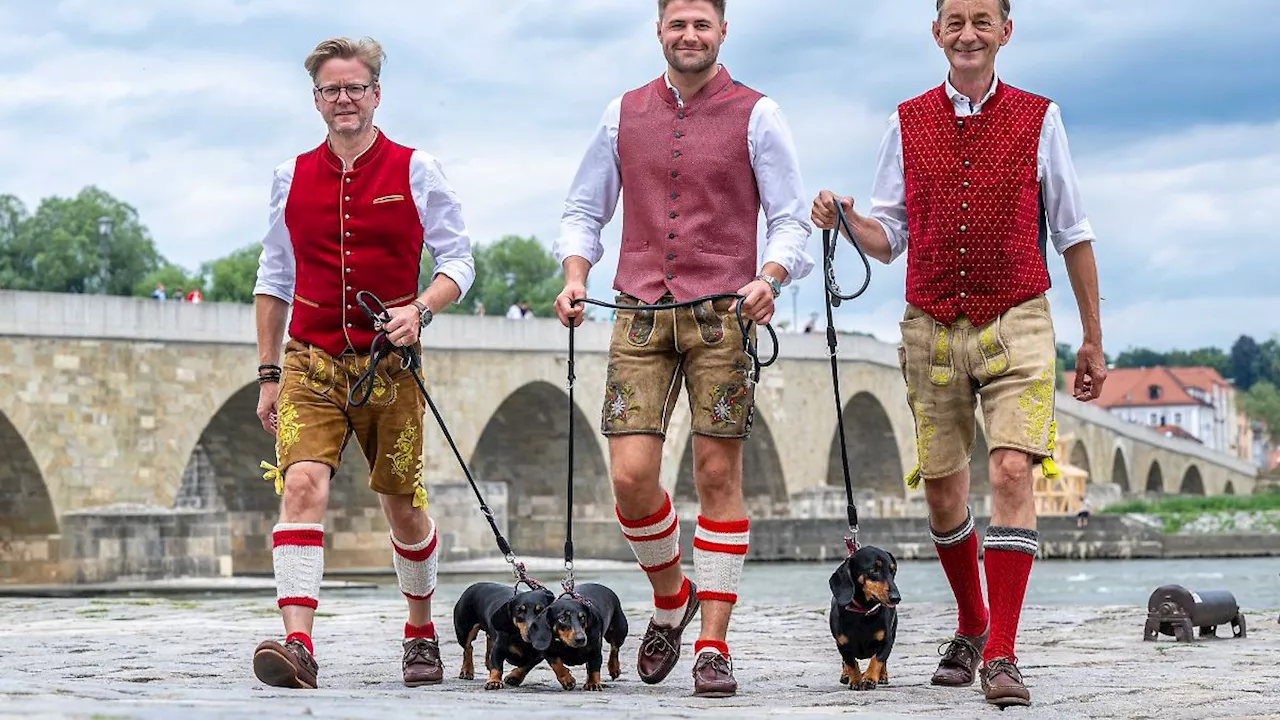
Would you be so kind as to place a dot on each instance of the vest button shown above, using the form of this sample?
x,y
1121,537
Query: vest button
x,y
961,252
674,173
348,233
675,153
959,123
673,196
671,236
966,163
348,269
349,287
348,179
671,256
348,252
670,276
346,198
961,273
963,296
964,206
348,324
964,228
964,184
671,214
346,217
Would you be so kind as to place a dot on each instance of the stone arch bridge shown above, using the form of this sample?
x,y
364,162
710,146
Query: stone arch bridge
x,y
127,413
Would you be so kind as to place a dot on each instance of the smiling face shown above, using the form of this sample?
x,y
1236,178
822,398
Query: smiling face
x,y
346,95
691,32
971,32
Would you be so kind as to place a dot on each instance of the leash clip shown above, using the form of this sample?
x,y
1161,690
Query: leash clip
x,y
851,539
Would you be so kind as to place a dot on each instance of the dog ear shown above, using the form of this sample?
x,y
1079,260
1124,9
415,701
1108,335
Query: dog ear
x,y
500,621
540,631
842,585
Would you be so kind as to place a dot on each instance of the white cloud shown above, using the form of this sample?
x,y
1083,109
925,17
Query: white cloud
x,y
182,109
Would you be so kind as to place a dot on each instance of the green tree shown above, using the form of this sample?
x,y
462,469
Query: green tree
x,y
1262,402
232,277
513,269
59,248
1141,357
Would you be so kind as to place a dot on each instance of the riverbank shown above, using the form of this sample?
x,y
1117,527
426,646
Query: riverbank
x,y
145,658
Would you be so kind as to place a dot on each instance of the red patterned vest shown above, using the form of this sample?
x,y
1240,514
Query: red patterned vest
x,y
973,204
351,231
690,204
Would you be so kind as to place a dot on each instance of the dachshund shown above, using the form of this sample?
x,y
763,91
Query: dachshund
x,y
864,616
505,617
573,630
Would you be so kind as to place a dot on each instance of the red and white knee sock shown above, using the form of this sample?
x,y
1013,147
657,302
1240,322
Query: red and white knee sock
x,y
655,541
1007,555
297,558
416,566
958,552
719,551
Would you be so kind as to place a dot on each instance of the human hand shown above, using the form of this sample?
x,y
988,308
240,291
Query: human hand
x,y
402,329
565,309
823,213
268,394
757,301
1091,372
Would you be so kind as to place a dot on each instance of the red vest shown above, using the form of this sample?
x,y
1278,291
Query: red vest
x,y
973,204
351,231
690,204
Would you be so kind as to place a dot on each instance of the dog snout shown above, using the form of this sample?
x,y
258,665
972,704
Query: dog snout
x,y
579,639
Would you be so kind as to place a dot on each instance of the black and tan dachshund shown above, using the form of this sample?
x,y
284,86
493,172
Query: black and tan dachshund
x,y
864,615
505,617
572,632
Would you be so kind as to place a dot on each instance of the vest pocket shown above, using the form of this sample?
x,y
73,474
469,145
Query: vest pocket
x,y
305,301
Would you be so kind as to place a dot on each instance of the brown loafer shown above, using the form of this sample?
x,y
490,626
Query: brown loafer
x,y
421,663
960,660
713,676
287,666
660,646
1002,683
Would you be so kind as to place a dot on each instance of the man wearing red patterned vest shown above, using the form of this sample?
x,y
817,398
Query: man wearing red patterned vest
x,y
352,214
698,154
976,173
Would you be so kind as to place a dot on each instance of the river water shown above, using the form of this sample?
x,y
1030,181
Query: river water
x,y
1255,582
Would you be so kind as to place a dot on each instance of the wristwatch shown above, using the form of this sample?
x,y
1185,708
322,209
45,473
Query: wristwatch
x,y
425,315
774,286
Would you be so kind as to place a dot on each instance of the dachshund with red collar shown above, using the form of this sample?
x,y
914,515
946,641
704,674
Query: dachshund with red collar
x,y
864,616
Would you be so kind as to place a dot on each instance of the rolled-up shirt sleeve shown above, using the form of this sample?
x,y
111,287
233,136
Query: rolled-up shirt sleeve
x,y
444,232
782,195
1064,208
276,268
889,191
593,194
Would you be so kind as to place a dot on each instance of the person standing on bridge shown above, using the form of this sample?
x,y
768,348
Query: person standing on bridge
x,y
351,214
973,171
699,154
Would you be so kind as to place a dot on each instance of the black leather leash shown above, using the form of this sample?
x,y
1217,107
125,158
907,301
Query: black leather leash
x,y
833,298
748,346
379,350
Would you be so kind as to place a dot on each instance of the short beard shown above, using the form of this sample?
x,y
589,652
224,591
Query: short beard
x,y
689,67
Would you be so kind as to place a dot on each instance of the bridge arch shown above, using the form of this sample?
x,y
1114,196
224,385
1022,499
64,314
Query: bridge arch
x,y
1230,488
25,506
1080,458
1192,483
525,445
763,485
1155,478
874,460
1120,472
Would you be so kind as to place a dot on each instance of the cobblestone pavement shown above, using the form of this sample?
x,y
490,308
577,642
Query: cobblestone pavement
x,y
190,658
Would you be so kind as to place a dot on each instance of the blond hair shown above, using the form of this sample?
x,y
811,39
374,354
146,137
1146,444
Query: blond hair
x,y
366,50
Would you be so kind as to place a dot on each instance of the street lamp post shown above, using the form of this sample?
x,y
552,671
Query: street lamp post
x,y
104,235
795,308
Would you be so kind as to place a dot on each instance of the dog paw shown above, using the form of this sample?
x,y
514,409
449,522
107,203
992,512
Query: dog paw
x,y
844,679
514,680
597,685
493,685
866,685
466,675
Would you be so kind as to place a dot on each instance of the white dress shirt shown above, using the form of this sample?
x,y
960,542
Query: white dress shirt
x,y
1068,224
444,234
593,195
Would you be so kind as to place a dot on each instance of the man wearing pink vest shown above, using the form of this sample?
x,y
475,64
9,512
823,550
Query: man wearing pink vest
x,y
978,175
354,213
698,154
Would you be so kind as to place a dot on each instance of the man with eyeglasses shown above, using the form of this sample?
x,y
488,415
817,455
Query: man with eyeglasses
x,y
352,214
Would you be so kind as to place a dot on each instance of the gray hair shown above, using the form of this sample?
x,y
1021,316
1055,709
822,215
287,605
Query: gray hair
x,y
1005,9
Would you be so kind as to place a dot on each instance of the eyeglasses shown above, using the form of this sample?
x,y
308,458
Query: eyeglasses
x,y
355,92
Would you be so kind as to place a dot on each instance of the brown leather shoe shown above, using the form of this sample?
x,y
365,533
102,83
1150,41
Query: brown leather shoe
x,y
422,664
660,646
713,676
960,660
287,666
1002,683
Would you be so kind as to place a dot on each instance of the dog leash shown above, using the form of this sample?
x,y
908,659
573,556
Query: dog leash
x,y
410,360
833,297
748,346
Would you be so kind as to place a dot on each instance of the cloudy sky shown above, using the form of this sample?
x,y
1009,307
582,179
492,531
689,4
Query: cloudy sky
x,y
182,109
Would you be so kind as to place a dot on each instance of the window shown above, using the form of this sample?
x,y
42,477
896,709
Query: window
x,y
1153,392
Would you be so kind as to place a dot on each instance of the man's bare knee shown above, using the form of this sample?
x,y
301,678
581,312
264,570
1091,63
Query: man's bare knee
x,y
635,462
1010,471
948,498
306,492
